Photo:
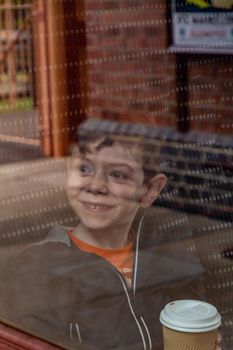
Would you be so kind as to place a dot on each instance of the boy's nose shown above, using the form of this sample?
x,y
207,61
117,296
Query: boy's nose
x,y
97,184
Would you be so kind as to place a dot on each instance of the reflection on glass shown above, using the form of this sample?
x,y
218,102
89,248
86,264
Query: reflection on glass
x,y
94,246
103,283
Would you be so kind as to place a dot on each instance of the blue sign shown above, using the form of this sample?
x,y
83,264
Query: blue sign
x,y
202,25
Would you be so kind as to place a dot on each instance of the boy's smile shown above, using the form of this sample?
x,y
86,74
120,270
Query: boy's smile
x,y
96,207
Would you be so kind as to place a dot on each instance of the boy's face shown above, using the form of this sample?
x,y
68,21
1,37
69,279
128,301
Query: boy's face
x,y
105,186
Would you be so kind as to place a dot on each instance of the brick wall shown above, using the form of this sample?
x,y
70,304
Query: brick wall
x,y
211,93
132,76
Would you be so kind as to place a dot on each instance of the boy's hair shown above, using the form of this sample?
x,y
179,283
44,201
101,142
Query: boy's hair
x,y
103,136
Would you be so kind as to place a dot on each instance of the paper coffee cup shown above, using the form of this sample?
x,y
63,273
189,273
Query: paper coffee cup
x,y
189,325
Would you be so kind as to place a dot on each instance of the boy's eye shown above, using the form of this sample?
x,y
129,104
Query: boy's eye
x,y
85,169
119,175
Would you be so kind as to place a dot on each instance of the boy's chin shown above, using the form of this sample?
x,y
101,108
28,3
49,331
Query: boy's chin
x,y
96,225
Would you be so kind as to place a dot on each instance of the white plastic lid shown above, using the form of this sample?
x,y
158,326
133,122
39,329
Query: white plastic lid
x,y
192,316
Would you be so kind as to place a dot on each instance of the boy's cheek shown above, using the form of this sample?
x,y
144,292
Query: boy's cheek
x,y
74,182
72,192
128,194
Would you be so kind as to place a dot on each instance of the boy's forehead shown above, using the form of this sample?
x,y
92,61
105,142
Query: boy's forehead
x,y
116,151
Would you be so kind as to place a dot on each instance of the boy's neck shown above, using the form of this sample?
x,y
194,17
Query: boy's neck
x,y
105,240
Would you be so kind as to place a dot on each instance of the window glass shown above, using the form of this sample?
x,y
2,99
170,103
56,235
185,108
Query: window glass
x,y
115,173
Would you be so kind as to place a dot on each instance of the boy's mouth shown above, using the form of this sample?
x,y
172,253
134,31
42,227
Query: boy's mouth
x,y
97,207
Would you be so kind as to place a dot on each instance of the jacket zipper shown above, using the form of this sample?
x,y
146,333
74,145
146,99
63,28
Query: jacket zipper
x,y
135,278
132,310
140,322
77,332
147,332
134,281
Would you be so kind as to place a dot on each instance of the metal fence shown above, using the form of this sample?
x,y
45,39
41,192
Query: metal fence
x,y
16,54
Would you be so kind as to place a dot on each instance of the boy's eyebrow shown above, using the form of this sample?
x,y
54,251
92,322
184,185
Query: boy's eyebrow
x,y
80,156
111,164
85,149
121,165
88,150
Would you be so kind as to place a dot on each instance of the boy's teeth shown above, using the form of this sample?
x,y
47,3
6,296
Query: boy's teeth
x,y
98,207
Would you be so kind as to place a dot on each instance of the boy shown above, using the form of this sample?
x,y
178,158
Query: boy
x,y
103,283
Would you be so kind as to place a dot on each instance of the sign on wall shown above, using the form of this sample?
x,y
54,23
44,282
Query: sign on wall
x,y
204,25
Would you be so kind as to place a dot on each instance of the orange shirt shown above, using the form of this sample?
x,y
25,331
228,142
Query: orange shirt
x,y
122,258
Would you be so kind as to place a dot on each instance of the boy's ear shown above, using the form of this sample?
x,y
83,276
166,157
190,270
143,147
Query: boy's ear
x,y
152,190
